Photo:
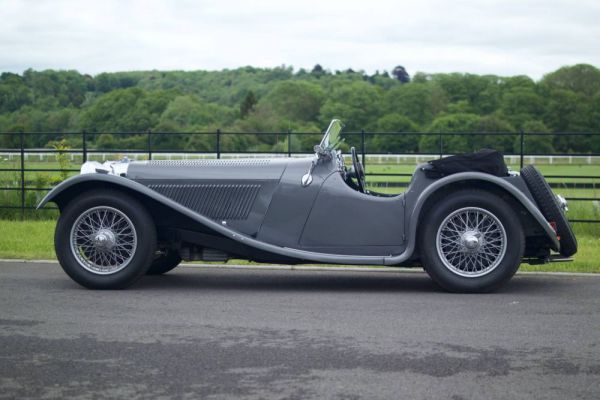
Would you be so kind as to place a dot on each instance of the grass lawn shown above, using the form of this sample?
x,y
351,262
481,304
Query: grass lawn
x,y
34,240
27,239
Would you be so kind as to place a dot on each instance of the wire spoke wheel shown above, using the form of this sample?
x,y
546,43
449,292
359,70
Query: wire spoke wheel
x,y
103,240
471,242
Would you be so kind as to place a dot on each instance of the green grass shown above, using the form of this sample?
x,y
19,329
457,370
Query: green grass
x,y
27,239
586,259
34,240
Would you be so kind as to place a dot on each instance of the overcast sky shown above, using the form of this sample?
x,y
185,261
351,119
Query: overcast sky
x,y
500,37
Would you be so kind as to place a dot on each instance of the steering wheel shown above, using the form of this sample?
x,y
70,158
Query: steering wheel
x,y
359,172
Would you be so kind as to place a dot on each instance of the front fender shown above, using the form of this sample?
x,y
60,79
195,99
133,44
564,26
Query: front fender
x,y
55,194
79,180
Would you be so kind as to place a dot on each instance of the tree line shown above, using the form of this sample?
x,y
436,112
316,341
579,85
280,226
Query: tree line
x,y
280,100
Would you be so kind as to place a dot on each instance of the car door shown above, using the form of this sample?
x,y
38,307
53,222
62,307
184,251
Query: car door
x,y
345,221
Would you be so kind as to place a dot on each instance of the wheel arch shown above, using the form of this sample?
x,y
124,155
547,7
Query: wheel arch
x,y
442,192
158,206
64,193
438,188
528,210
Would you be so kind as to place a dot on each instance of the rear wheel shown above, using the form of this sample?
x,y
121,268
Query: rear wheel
x,y
471,242
105,240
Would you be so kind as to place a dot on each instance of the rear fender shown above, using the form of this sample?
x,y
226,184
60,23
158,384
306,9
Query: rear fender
x,y
444,183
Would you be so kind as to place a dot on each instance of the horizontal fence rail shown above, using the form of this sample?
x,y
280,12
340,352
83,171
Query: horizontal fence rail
x,y
19,150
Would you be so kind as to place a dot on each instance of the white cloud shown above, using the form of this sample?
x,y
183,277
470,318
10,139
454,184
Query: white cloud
x,y
506,37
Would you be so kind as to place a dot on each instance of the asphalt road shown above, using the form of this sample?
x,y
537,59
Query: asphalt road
x,y
207,333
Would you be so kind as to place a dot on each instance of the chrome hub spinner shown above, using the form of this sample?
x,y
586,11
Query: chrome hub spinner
x,y
104,239
471,240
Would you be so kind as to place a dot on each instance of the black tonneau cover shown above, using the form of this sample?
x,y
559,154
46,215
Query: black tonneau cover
x,y
486,160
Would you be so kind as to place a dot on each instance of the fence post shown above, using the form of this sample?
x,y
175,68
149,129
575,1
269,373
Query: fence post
x,y
522,134
22,143
149,133
218,143
362,146
289,139
441,145
84,145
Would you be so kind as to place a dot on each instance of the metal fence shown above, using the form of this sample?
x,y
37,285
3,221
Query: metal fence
x,y
149,145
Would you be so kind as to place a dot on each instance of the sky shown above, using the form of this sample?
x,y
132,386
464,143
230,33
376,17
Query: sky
x,y
475,36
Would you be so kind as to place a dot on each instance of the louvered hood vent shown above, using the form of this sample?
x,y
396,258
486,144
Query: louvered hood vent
x,y
216,201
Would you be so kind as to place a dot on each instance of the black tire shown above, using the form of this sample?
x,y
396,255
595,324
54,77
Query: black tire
x,y
77,264
490,277
550,208
164,263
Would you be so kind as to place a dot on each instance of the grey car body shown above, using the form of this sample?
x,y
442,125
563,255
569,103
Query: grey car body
x,y
293,210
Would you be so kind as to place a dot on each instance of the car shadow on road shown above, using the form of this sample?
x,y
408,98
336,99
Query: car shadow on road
x,y
190,278
318,281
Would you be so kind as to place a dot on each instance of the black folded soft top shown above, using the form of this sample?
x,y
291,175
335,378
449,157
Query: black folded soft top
x,y
486,160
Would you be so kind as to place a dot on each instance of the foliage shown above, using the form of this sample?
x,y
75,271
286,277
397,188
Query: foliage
x,y
535,144
355,103
248,99
398,142
290,102
61,146
400,73
248,104
420,102
450,123
581,78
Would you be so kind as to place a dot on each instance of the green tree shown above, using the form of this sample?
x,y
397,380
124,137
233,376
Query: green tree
x,y
398,141
534,144
566,100
248,104
293,101
516,82
481,92
188,113
501,138
57,88
357,104
14,94
450,123
399,72
580,78
520,105
565,112
420,102
125,110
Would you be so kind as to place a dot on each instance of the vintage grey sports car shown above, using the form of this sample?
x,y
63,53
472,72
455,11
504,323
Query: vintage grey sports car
x,y
470,230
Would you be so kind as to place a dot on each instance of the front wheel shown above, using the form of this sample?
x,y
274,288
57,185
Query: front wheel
x,y
105,240
471,242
